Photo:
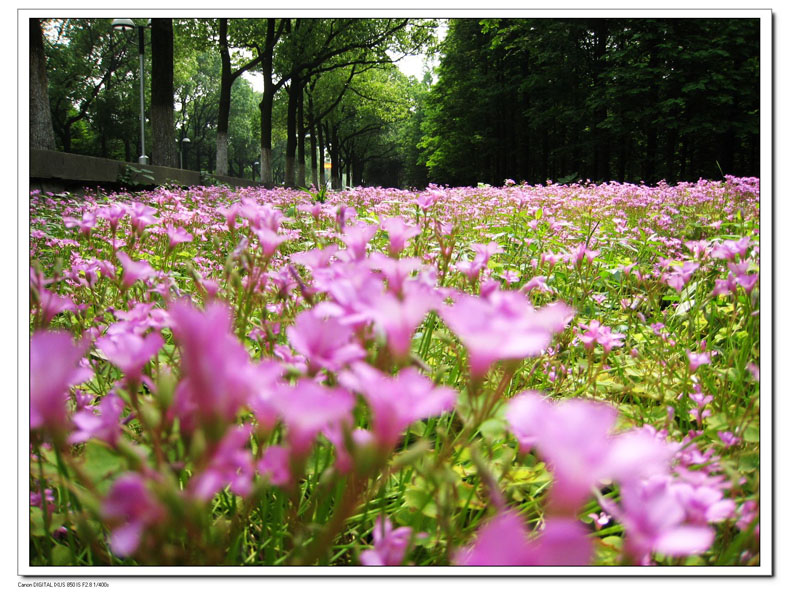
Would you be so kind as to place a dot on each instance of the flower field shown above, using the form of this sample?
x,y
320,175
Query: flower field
x,y
558,375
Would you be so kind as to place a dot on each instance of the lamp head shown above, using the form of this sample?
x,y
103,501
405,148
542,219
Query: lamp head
x,y
122,24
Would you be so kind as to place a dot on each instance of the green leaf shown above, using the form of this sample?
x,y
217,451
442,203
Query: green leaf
x,y
101,464
62,555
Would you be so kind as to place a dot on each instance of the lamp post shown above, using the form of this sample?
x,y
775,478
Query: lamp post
x,y
254,165
127,25
184,141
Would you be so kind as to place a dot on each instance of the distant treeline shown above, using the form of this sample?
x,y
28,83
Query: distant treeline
x,y
604,99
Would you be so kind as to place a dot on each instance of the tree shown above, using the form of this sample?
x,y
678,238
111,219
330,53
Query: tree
x,y
228,77
163,152
570,99
83,56
42,136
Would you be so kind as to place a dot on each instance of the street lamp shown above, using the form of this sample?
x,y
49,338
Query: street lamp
x,y
184,141
254,165
128,25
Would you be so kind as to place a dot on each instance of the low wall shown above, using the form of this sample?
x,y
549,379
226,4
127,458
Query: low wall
x,y
55,170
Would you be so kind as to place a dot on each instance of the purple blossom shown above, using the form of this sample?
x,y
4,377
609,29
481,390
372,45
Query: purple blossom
x,y
396,402
275,465
218,377
655,521
134,271
54,368
697,359
398,318
596,333
574,437
503,541
52,304
230,464
324,341
130,352
307,408
131,507
356,239
399,233
504,327
141,216
389,546
104,426
177,235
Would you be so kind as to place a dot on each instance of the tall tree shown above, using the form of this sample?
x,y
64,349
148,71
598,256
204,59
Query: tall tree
x,y
228,77
164,148
42,135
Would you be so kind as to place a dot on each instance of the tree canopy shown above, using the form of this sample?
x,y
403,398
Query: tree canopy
x,y
525,99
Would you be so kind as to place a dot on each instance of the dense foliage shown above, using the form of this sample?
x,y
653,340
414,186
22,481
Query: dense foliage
x,y
330,93
526,99
523,375
599,99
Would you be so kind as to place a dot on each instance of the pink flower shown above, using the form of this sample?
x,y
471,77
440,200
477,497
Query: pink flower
x,y
356,239
697,359
142,216
655,521
307,408
105,426
52,304
130,504
112,214
582,252
728,249
177,235
54,367
324,341
747,281
574,437
275,465
503,541
389,546
703,504
504,327
724,286
427,199
396,402
399,233
265,379
269,240
728,439
678,279
130,352
360,439
539,283
396,272
398,318
600,334
134,271
218,377
86,223
231,464
484,251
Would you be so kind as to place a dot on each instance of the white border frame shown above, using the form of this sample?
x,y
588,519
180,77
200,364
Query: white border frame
x,y
766,281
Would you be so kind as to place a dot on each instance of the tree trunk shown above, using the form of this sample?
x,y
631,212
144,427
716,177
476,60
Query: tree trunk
x,y
321,170
164,145
42,135
300,161
334,155
267,178
226,81
290,145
